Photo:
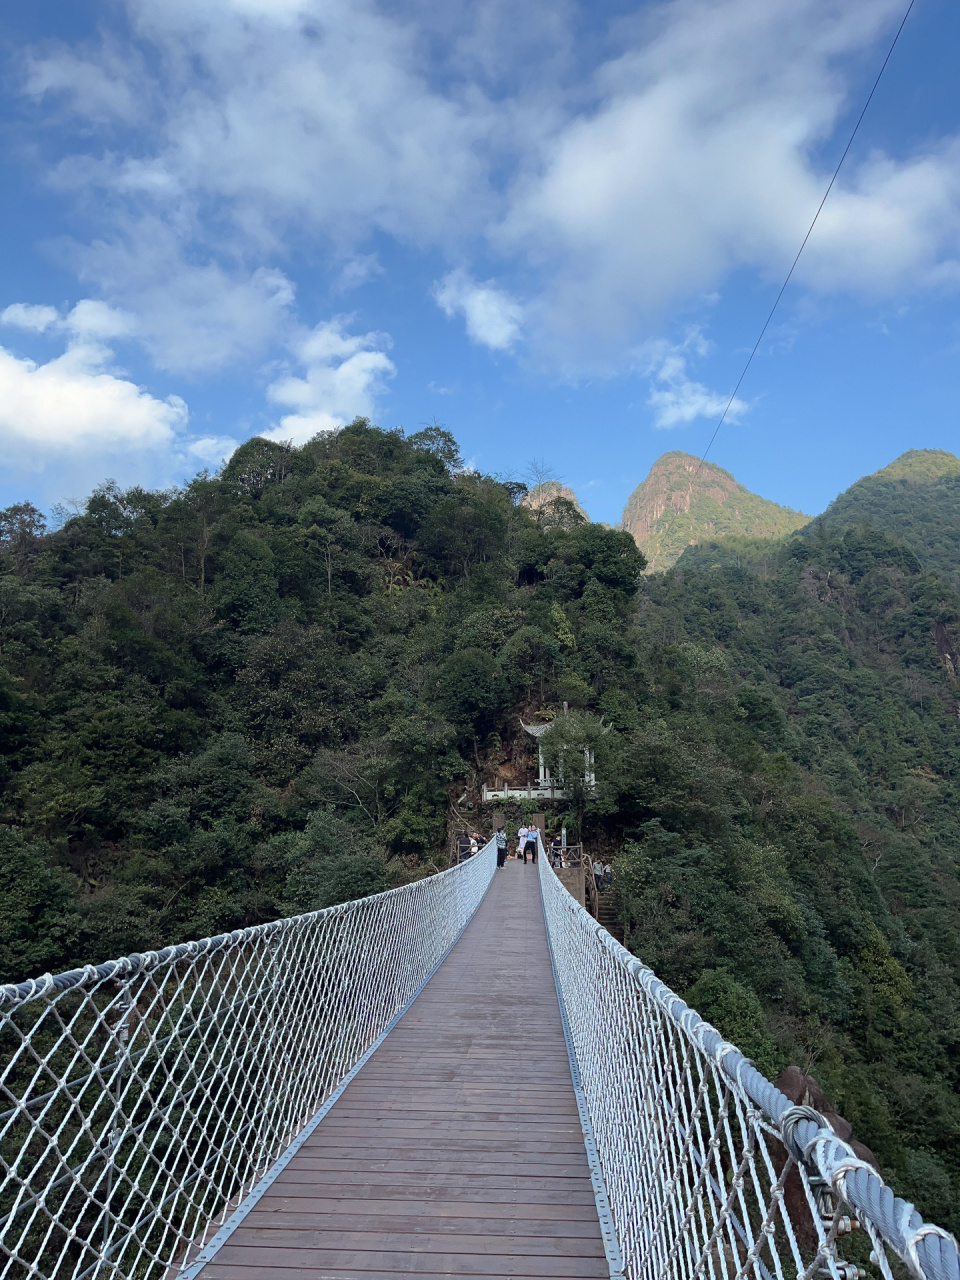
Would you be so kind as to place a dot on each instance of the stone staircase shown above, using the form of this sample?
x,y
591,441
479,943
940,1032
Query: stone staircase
x,y
607,914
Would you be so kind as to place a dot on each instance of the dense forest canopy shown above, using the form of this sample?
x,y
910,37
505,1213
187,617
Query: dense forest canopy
x,y
917,498
260,693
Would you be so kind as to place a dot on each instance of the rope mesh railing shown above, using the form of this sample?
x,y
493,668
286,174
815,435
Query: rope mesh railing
x,y
710,1171
141,1100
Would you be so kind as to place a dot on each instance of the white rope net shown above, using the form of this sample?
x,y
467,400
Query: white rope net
x,y
709,1170
141,1100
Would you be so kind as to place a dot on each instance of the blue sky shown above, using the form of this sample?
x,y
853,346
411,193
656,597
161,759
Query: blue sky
x,y
554,227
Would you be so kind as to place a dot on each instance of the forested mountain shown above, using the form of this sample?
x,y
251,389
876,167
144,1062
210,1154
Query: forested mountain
x,y
261,692
254,695
685,501
817,867
917,497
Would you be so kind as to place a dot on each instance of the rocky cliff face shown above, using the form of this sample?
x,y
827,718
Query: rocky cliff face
x,y
542,498
682,502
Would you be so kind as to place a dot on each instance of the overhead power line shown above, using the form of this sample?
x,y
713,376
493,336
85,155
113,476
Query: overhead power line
x,y
793,265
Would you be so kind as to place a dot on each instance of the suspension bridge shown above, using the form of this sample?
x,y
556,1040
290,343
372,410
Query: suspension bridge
x,y
465,1076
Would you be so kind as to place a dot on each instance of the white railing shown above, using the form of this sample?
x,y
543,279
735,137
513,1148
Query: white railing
x,y
143,1100
707,1169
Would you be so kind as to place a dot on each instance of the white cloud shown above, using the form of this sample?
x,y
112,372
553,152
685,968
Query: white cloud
x,y
211,450
192,317
87,320
344,374
894,228
107,89
73,403
697,160
76,413
268,122
493,318
264,125
619,191
90,319
357,270
24,315
675,397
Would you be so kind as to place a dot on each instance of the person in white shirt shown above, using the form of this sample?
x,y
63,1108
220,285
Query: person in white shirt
x,y
522,842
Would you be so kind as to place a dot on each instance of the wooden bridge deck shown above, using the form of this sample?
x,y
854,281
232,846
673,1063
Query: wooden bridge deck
x,y
457,1149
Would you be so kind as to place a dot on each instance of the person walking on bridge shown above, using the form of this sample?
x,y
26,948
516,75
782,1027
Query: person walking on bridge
x,y
522,843
531,844
501,838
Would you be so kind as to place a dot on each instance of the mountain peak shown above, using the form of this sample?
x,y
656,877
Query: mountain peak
x,y
915,499
919,466
682,501
542,495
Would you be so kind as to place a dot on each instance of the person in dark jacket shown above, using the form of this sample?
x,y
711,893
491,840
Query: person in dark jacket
x,y
501,846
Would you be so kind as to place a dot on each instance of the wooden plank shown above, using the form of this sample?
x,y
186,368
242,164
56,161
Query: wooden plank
x,y
437,1097
439,1202
389,1266
402,1146
439,1107
465,1128
323,1226
468,1119
457,1150
508,1161
320,1264
497,1139
529,1181
307,1211
291,1242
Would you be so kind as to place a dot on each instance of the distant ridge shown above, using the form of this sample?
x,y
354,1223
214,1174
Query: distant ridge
x,y
915,500
682,503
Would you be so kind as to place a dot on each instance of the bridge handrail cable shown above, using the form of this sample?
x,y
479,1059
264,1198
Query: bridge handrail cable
x,y
142,1100
708,1168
